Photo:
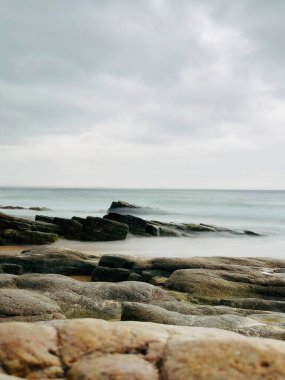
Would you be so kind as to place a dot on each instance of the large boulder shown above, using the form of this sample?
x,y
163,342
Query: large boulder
x,y
95,349
246,282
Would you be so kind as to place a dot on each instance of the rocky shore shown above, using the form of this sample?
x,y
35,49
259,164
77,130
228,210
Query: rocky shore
x,y
135,318
113,226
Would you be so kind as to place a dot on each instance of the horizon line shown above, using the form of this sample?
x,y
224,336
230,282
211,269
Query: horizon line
x,y
135,188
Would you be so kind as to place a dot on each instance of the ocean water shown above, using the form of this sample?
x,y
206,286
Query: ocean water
x,y
261,211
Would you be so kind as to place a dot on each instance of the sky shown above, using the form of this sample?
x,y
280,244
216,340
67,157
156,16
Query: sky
x,y
142,93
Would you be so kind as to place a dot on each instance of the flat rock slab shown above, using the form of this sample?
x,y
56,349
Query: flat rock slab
x,y
42,297
50,260
95,349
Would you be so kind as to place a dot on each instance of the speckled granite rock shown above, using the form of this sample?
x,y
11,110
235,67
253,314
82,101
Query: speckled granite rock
x,y
95,349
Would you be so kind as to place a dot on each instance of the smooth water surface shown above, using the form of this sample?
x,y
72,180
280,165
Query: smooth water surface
x,y
261,211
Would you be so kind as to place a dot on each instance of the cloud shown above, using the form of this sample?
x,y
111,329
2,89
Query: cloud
x,y
100,86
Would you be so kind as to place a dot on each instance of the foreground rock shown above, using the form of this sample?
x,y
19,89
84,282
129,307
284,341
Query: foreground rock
x,y
95,349
39,297
45,230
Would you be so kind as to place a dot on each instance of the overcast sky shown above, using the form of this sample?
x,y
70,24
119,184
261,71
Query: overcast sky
x,y
142,93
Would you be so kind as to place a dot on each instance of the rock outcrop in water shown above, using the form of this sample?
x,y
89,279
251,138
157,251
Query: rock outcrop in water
x,y
94,349
142,227
46,230
34,208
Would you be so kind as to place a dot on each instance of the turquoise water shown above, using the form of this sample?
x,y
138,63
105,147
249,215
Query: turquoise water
x,y
262,211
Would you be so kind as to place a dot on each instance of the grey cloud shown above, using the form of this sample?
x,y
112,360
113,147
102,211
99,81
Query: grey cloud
x,y
147,73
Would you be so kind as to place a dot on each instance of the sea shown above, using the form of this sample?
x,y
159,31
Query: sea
x,y
262,211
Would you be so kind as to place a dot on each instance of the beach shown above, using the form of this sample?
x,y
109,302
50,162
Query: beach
x,y
153,273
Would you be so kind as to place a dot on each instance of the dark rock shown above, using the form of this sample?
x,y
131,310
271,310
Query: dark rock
x,y
12,208
39,209
110,274
117,261
43,218
251,233
99,229
27,237
11,268
70,229
136,225
122,204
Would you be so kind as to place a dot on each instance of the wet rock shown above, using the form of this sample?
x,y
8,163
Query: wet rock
x,y
43,218
28,237
137,226
99,229
46,229
70,229
122,204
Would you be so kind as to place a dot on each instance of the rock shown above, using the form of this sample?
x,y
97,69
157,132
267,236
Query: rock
x,y
52,260
18,302
217,283
99,229
43,218
122,204
113,366
46,229
221,358
12,208
70,229
110,274
11,268
95,349
24,208
137,226
117,261
152,313
28,350
28,237
255,304
39,209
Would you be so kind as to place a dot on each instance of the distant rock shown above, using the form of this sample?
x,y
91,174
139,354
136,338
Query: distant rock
x,y
25,208
39,209
122,204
